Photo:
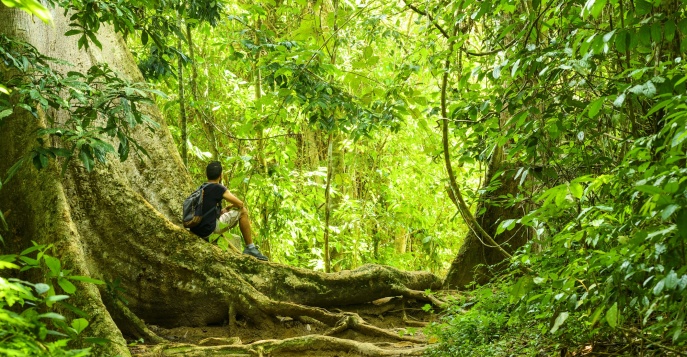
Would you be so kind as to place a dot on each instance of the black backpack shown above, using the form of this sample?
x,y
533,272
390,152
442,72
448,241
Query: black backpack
x,y
193,207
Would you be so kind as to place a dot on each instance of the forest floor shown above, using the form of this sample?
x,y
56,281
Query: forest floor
x,y
401,316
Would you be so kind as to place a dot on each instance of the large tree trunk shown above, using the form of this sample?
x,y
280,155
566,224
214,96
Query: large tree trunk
x,y
477,260
120,221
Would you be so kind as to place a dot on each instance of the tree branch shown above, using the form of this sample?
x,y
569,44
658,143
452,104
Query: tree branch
x,y
429,16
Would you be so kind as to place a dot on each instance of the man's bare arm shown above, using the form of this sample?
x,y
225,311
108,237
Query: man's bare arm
x,y
235,202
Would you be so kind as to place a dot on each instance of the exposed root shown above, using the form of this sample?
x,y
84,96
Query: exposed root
x,y
310,321
294,345
341,321
419,295
372,330
414,323
129,322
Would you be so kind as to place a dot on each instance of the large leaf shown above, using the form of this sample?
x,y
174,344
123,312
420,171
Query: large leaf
x,y
53,264
79,325
66,285
559,321
612,316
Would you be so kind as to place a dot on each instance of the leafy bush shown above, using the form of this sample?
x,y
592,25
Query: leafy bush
x,y
29,323
483,325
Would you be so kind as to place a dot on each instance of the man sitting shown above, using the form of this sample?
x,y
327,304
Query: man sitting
x,y
235,213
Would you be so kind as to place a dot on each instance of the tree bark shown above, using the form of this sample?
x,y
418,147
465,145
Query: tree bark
x,y
477,259
121,221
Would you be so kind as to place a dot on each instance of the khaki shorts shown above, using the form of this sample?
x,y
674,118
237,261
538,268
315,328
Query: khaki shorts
x,y
227,221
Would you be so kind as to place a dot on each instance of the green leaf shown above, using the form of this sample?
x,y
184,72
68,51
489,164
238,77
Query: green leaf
x,y
682,25
621,40
5,113
607,37
7,265
594,107
521,288
31,249
86,279
33,7
652,190
618,102
656,32
644,35
506,225
682,223
55,298
659,287
3,222
576,189
679,137
642,7
514,70
669,30
647,89
41,288
13,170
668,211
86,160
79,325
593,7
596,315
51,315
367,52
66,285
559,321
53,264
671,280
74,309
597,8
659,106
612,315
94,39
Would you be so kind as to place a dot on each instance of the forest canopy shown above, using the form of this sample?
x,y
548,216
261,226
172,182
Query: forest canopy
x,y
500,177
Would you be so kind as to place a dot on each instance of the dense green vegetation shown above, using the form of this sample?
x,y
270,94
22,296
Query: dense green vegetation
x,y
329,118
273,88
38,329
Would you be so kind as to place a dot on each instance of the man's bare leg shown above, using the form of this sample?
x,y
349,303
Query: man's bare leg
x,y
245,227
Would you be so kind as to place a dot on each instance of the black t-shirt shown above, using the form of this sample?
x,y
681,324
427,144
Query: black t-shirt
x,y
211,201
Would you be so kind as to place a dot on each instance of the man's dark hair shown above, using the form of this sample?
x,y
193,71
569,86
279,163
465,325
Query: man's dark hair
x,y
214,170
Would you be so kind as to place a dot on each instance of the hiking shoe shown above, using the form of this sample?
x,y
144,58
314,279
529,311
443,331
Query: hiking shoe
x,y
254,252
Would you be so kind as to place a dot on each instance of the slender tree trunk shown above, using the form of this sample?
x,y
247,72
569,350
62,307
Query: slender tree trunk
x,y
327,205
206,120
182,105
264,171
